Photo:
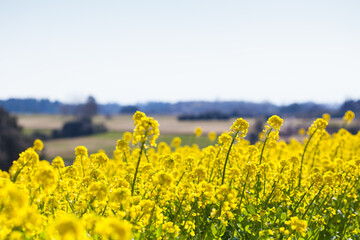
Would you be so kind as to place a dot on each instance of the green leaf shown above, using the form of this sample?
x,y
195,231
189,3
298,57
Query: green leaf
x,y
221,230
213,230
250,209
158,231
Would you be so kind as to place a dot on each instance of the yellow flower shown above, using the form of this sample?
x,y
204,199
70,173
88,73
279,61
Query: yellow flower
x,y
297,225
176,142
120,195
326,117
81,150
318,125
164,179
138,116
114,228
99,158
146,127
67,227
275,122
171,229
240,126
302,131
45,177
212,136
349,116
122,144
127,136
198,131
38,145
224,138
97,190
58,162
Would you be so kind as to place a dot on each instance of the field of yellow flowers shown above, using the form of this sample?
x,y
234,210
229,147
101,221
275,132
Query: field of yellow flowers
x,y
306,189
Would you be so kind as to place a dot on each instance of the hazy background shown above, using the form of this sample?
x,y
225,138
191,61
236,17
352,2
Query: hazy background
x,y
139,51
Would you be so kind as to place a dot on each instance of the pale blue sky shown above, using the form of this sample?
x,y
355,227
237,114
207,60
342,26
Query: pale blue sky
x,y
138,51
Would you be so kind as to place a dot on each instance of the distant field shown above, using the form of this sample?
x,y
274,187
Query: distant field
x,y
117,125
105,141
170,127
42,122
121,123
168,124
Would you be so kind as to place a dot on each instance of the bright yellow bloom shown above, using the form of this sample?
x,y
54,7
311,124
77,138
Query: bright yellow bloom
x,y
45,177
326,117
67,227
302,131
275,122
127,136
298,225
212,136
349,116
81,150
122,144
97,190
240,126
138,116
171,229
170,193
120,195
38,145
113,228
224,138
146,127
198,131
318,125
164,179
58,162
176,142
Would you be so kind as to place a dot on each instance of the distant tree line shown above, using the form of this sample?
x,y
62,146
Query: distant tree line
x,y
185,110
83,124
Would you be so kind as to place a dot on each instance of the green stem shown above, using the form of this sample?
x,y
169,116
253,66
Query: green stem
x,y
103,211
272,191
303,155
302,198
243,191
227,157
137,168
321,205
125,158
263,148
146,156
82,165
264,182
315,152
180,179
70,204
317,195
18,171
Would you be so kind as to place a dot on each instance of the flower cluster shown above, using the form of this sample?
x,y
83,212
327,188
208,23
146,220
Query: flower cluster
x,y
301,189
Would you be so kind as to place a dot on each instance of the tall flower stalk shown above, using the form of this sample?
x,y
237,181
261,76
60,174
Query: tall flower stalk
x,y
239,130
274,123
317,128
146,128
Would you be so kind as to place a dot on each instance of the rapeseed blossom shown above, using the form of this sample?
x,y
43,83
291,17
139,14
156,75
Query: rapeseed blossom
x,y
300,189
212,136
349,116
198,131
